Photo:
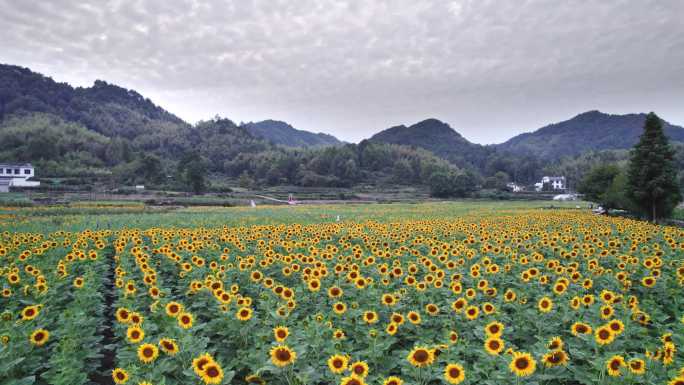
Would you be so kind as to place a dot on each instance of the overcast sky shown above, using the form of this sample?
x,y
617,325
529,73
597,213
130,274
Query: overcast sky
x,y
491,69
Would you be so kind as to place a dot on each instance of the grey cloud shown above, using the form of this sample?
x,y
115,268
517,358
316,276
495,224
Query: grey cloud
x,y
490,68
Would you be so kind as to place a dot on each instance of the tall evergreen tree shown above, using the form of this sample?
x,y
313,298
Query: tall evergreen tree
x,y
652,178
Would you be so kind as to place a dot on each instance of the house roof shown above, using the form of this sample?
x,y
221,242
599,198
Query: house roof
x,y
16,165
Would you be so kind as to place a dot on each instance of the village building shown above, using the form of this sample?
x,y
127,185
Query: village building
x,y
16,175
553,183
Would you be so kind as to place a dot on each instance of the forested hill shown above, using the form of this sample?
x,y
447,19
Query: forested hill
x,y
438,138
283,134
115,134
589,131
106,133
104,108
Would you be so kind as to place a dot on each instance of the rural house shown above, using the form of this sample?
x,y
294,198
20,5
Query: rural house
x,y
554,183
16,175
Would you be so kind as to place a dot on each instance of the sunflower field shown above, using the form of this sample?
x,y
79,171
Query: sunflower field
x,y
517,297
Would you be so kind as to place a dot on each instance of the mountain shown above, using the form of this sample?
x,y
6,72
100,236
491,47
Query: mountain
x,y
106,135
283,134
589,131
105,108
438,138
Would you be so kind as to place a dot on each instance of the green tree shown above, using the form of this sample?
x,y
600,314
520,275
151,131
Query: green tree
x,y
245,181
192,171
441,184
616,195
652,177
597,181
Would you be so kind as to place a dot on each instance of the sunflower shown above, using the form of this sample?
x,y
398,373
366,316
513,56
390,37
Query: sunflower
x,y
370,317
120,376
388,300
135,318
454,373
30,312
391,328
255,379
135,334
616,326
648,281
359,369
338,363
39,337
335,292
122,315
580,328
453,337
421,357
339,307
555,358
488,308
556,343
393,380
212,373
432,309
199,363
169,346
637,366
494,345
614,364
397,318
314,285
185,320
78,282
494,329
244,313
280,333
459,304
338,334
522,364
147,353
604,335
472,312
281,356
413,317
173,309
545,305
352,380
606,311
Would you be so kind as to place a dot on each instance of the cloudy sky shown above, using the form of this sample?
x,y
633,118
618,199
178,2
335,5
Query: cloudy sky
x,y
491,69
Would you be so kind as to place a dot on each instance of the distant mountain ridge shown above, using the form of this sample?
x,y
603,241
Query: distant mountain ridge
x,y
283,134
44,119
588,131
437,137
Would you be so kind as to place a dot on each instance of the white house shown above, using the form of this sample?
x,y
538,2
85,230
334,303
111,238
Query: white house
x,y
514,187
16,175
557,183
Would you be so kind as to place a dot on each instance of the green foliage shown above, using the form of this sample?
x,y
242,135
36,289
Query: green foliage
x,y
606,185
497,181
445,183
599,179
652,178
45,137
576,168
192,171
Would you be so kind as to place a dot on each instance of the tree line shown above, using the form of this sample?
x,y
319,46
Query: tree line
x,y
647,184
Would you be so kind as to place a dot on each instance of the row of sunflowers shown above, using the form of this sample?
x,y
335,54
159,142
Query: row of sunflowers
x,y
546,297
